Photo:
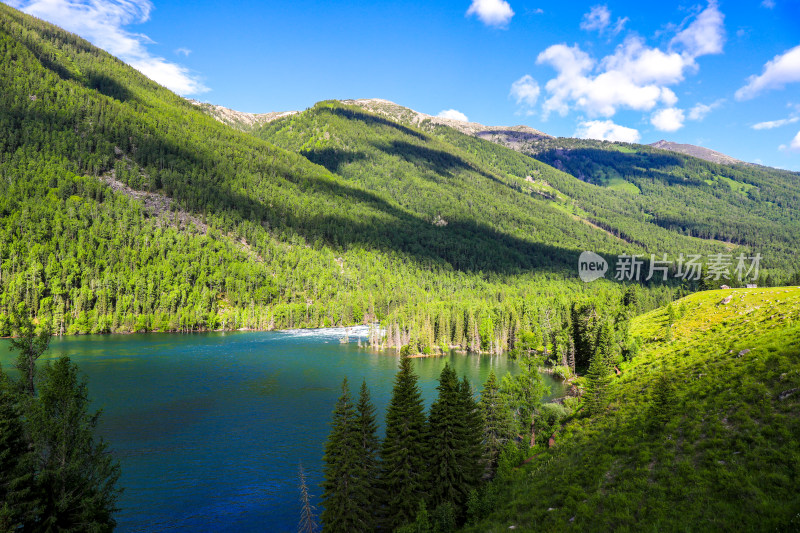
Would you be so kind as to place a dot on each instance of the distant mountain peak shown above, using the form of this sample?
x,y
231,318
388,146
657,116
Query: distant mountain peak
x,y
506,135
698,152
240,119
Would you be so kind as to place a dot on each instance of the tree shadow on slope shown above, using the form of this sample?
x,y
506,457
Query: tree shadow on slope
x,y
582,161
332,158
372,120
438,161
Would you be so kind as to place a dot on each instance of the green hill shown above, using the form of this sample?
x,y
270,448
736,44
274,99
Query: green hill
x,y
127,208
640,186
124,207
719,452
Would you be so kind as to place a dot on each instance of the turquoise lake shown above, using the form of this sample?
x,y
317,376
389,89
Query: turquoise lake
x,y
210,428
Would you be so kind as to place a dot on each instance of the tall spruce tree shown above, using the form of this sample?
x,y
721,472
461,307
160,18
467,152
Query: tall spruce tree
x,y
599,373
403,453
662,401
18,504
76,474
470,454
339,486
498,422
445,431
366,472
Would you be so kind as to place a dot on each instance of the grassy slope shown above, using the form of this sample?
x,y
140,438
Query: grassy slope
x,y
728,457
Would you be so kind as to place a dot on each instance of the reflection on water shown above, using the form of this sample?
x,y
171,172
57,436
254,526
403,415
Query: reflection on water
x,y
210,428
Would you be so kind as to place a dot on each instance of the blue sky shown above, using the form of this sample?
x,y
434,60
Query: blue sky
x,y
725,75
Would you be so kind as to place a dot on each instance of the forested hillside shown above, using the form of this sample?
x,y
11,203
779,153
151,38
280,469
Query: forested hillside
x,y
126,208
698,432
738,204
245,234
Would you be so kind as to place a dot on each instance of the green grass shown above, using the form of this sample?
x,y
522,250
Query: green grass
x,y
619,184
726,459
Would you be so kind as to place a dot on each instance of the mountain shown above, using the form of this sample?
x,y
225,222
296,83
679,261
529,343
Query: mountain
x,y
127,208
239,119
696,151
509,136
735,205
726,394
124,207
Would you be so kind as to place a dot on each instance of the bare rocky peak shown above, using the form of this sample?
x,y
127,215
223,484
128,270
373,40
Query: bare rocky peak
x,y
698,152
240,119
500,134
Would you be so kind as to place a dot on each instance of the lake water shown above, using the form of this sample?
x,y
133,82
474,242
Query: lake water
x,y
210,428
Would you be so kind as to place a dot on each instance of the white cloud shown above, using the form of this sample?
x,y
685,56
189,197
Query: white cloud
x,y
705,35
526,92
635,76
769,4
599,18
102,22
700,111
606,130
670,119
782,69
771,124
183,51
619,25
453,114
795,144
491,12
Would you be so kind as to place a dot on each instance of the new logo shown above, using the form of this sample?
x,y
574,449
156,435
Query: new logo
x,y
591,266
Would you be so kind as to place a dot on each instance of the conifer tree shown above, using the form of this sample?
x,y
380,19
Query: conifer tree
x,y
445,431
599,374
366,472
662,400
76,474
17,489
523,393
29,344
498,423
403,453
470,455
341,459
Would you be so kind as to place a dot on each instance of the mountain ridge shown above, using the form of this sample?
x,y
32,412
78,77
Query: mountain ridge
x,y
700,152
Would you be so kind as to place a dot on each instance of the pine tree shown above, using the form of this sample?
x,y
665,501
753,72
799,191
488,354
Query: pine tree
x,y
470,455
76,474
662,400
366,471
403,453
445,429
31,346
498,423
18,503
523,393
307,522
599,374
341,457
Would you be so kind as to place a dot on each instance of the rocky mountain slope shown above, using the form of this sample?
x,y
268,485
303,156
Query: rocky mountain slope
x,y
697,151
